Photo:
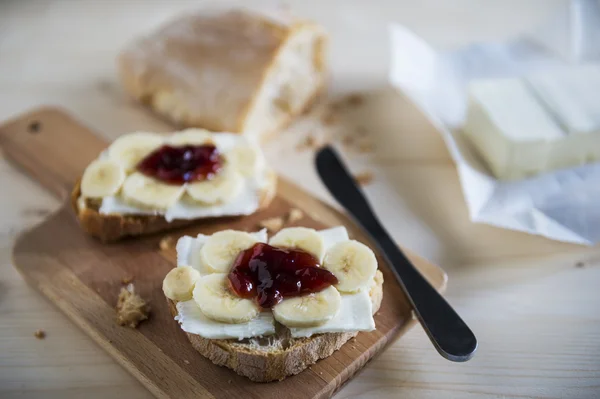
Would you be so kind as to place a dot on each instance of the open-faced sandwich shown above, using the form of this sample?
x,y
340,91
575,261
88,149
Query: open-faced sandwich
x,y
239,71
148,182
269,308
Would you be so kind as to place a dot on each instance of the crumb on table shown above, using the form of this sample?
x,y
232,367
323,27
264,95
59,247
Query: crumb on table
x,y
364,178
309,142
354,99
330,117
186,361
273,224
131,308
294,215
366,146
40,334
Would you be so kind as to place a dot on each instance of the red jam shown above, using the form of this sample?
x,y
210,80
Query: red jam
x,y
270,274
178,165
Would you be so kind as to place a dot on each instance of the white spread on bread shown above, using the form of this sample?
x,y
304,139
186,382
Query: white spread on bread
x,y
351,313
236,189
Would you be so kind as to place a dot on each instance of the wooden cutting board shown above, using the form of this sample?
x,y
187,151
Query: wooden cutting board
x,y
83,277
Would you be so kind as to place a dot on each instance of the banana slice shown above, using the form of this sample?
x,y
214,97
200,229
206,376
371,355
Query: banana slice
x,y
190,137
102,178
221,249
149,192
216,300
246,159
309,310
353,263
130,149
179,283
223,187
303,238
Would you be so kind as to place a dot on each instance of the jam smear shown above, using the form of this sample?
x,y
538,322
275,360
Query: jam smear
x,y
182,164
270,274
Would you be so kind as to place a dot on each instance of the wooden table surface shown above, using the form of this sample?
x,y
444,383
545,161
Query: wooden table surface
x,y
533,303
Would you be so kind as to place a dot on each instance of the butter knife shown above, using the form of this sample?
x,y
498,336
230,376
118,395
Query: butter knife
x,y
450,335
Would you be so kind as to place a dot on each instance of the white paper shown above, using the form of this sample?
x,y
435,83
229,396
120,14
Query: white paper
x,y
561,205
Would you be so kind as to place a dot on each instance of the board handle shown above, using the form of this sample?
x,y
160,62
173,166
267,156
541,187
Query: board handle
x,y
51,147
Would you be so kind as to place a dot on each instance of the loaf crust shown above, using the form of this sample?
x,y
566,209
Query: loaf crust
x,y
206,69
290,357
109,228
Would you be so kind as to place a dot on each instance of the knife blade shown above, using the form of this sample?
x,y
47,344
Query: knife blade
x,y
449,334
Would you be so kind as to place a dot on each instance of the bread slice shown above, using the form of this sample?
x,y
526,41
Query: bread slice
x,y
234,71
279,356
114,227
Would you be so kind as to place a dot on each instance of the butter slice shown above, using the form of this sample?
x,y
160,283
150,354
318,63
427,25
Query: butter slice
x,y
193,321
356,314
572,96
511,131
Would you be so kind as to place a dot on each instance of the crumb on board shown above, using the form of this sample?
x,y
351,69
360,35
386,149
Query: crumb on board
x,y
579,265
186,361
127,279
40,334
273,224
166,243
294,215
131,308
364,178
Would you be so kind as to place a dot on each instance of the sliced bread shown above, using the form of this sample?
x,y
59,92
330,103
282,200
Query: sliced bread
x,y
278,356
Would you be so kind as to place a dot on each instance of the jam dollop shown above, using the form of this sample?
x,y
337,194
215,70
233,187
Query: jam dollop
x,y
269,274
182,164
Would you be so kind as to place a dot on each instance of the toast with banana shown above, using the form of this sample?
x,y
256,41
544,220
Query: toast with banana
x,y
148,182
268,308
240,71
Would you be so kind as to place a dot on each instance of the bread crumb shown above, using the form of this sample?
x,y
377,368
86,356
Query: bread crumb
x,y
186,361
361,131
320,373
229,381
309,142
330,117
131,308
283,104
366,146
40,334
127,279
354,100
273,224
294,215
364,178
166,243
348,140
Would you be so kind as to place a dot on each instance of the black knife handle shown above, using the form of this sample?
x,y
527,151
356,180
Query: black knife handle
x,y
450,335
